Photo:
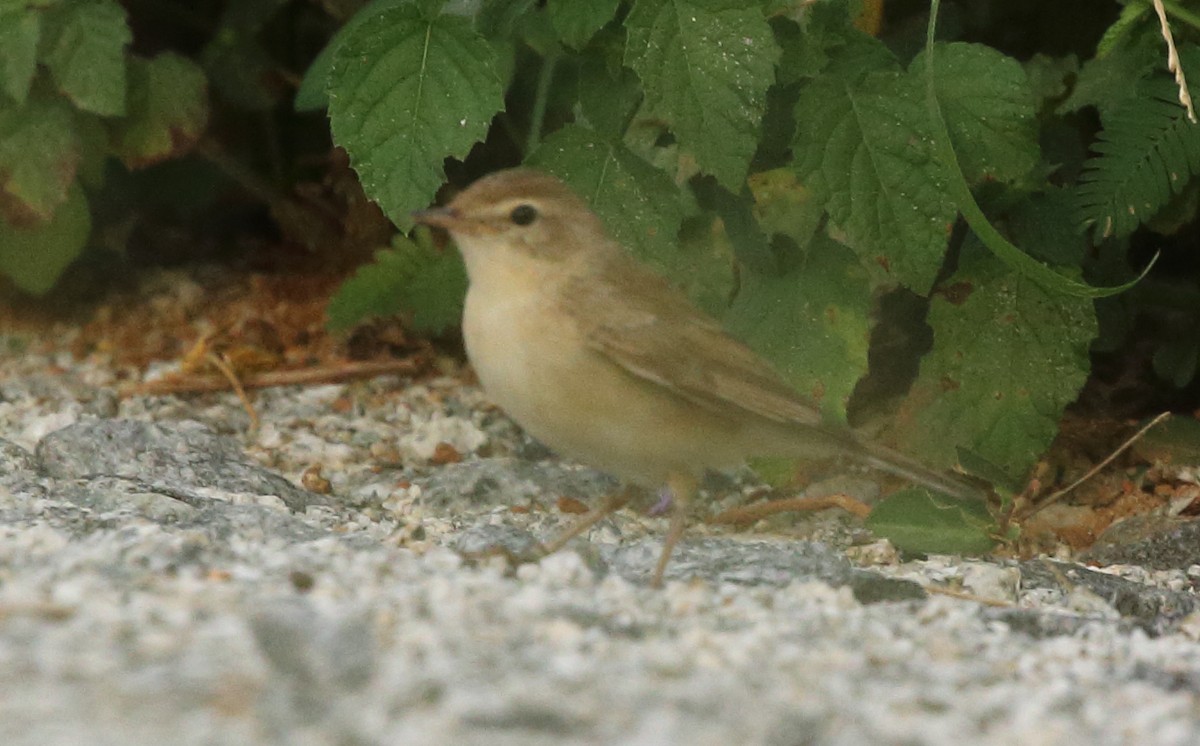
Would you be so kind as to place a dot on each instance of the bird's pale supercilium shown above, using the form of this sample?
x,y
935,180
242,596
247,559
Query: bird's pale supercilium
x,y
604,361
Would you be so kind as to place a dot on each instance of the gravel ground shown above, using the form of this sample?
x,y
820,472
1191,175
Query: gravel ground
x,y
164,577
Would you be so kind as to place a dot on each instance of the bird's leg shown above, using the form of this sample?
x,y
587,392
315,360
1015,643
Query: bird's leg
x,y
683,488
611,504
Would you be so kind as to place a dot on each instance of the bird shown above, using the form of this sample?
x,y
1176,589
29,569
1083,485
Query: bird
x,y
606,362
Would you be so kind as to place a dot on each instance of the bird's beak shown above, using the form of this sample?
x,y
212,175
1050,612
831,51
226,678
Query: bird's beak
x,y
437,217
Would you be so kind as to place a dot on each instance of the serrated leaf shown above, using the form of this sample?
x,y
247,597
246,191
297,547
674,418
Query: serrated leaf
x,y
86,54
1147,151
1007,358
576,21
168,110
639,204
988,107
20,31
863,149
915,521
34,258
408,92
39,155
411,278
705,66
1001,247
812,324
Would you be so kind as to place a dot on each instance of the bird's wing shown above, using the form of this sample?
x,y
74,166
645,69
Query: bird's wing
x,y
635,319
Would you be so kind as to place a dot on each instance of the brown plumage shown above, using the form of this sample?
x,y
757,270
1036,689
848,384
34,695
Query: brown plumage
x,y
605,361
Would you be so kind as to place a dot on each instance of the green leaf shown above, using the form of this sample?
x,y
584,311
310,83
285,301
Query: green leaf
x,y
802,54
863,149
1129,19
313,93
408,92
1107,80
1037,224
915,521
500,19
39,155
168,110
1008,357
33,258
86,54
706,66
784,206
956,184
576,21
704,265
1176,440
812,324
609,93
412,278
1147,151
751,244
640,205
1049,76
988,106
20,30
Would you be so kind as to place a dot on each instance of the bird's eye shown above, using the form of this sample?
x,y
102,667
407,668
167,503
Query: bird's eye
x,y
523,214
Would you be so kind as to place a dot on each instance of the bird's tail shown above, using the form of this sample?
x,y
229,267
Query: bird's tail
x,y
894,462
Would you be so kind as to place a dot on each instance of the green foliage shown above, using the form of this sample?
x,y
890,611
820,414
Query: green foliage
x,y
813,323
988,105
413,278
918,522
168,108
576,21
638,203
1147,151
999,392
73,96
866,160
408,90
787,169
33,257
705,66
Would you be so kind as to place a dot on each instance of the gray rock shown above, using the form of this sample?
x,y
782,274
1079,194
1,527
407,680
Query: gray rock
x,y
184,460
1156,541
1154,610
508,481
